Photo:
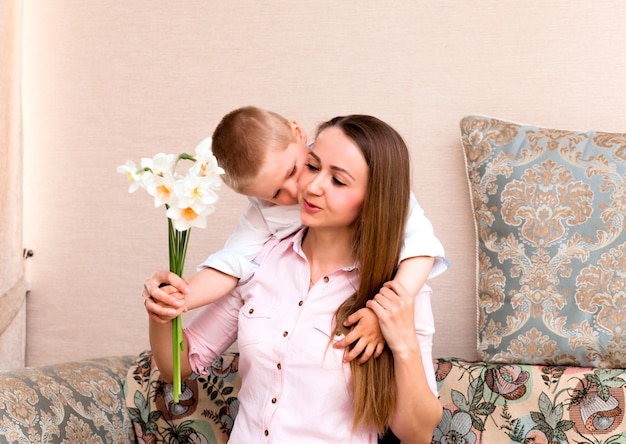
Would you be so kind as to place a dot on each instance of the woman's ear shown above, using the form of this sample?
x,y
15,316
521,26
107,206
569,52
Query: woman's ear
x,y
298,131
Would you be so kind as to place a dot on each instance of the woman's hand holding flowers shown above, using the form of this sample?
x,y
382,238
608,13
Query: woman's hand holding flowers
x,y
164,295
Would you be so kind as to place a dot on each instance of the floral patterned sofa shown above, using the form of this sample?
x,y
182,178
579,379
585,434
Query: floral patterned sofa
x,y
488,403
123,400
550,217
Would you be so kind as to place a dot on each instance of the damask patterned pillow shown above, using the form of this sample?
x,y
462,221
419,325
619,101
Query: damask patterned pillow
x,y
550,214
206,409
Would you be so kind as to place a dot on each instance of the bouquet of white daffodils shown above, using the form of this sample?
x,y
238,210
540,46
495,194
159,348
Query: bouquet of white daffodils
x,y
188,198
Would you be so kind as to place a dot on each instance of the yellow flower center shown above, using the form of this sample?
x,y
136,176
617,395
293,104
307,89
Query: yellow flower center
x,y
163,192
196,193
188,214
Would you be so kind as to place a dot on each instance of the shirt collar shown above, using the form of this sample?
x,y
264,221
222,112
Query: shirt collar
x,y
296,241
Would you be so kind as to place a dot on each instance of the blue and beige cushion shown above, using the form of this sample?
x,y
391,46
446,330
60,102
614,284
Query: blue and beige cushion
x,y
550,214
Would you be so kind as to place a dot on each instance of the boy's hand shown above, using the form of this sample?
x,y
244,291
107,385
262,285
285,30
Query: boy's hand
x,y
366,336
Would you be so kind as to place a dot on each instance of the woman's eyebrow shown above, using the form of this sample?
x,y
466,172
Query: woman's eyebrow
x,y
342,170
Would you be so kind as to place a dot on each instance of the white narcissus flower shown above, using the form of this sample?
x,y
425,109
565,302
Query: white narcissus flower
x,y
161,188
130,170
194,201
159,164
185,218
206,164
204,148
193,190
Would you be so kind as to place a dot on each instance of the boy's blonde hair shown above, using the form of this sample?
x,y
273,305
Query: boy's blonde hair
x,y
242,140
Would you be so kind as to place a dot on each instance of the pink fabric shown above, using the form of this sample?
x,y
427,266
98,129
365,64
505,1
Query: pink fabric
x,y
294,385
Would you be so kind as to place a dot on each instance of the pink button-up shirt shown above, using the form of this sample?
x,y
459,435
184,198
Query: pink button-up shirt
x,y
295,386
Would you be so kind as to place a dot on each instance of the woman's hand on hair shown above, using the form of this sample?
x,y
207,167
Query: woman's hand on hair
x,y
393,306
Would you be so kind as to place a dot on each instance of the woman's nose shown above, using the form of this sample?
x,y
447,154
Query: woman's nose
x,y
315,185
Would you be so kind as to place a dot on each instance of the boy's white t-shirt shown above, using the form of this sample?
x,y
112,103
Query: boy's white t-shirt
x,y
263,220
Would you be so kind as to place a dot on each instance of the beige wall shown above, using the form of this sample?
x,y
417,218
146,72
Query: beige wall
x,y
12,277
106,81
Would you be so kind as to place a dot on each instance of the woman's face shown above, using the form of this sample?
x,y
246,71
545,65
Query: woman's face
x,y
333,183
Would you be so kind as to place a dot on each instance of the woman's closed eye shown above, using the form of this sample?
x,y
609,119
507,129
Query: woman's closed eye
x,y
311,167
338,182
315,168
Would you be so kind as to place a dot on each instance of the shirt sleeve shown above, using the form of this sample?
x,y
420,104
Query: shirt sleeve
x,y
257,224
420,239
425,330
212,330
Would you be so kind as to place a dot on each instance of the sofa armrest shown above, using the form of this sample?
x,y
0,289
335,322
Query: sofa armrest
x,y
71,403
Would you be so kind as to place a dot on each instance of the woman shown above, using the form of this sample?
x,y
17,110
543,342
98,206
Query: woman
x,y
354,198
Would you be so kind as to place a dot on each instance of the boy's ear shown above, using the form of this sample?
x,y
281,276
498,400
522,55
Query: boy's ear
x,y
298,131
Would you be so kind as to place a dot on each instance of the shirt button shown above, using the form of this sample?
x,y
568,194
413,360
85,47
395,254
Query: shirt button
x,y
266,432
251,311
285,334
278,366
300,303
273,400
326,279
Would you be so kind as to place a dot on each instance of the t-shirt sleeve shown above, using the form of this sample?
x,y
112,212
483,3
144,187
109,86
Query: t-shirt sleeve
x,y
260,222
425,330
420,239
244,243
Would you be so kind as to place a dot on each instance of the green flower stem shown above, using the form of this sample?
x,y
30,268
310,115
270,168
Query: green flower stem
x,y
178,242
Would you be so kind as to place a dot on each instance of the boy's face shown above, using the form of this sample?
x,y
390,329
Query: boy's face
x,y
277,181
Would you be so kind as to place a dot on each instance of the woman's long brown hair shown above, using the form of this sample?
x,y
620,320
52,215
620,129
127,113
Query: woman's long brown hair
x,y
377,244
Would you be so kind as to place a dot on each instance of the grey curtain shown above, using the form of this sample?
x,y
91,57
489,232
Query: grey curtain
x,y
12,280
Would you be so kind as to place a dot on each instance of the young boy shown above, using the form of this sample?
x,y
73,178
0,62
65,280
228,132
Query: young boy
x,y
263,154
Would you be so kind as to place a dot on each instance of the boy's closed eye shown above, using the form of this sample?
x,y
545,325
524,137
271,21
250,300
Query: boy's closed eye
x,y
291,174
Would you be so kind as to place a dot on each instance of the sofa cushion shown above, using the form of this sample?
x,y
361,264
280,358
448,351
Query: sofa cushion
x,y
74,402
206,409
550,211
493,403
